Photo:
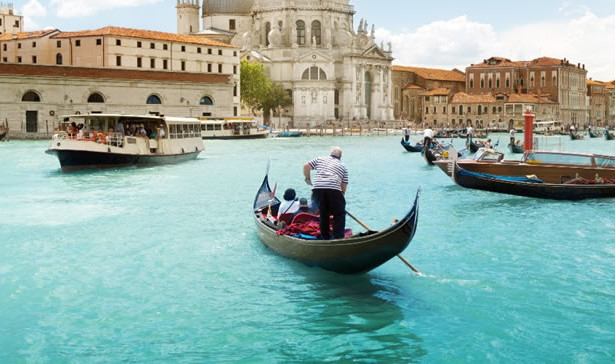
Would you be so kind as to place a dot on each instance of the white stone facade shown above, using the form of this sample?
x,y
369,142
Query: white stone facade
x,y
312,49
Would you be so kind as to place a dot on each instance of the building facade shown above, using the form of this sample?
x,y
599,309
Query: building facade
x,y
610,103
556,79
332,71
51,73
597,94
10,22
411,83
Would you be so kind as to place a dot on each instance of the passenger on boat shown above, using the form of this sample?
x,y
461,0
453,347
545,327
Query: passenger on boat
x,y
80,133
161,132
303,208
290,205
329,188
142,132
128,130
73,129
119,127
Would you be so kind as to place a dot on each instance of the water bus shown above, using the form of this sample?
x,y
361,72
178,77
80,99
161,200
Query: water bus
x,y
232,128
547,128
115,140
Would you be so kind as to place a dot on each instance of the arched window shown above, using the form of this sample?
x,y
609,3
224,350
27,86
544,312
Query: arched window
x,y
153,100
316,32
31,96
96,98
314,73
267,30
59,58
460,109
493,110
206,100
490,83
300,32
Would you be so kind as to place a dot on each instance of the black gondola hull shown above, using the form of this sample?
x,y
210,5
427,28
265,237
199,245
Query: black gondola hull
x,y
355,255
72,160
537,190
515,149
417,148
609,136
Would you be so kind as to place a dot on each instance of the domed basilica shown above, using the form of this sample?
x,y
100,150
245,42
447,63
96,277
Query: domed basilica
x,y
311,47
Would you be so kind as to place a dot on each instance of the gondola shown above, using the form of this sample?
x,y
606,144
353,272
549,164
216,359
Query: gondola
x,y
357,254
608,135
516,149
417,148
474,147
3,134
431,155
593,134
530,187
575,136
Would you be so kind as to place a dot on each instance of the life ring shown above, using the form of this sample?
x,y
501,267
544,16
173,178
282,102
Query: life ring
x,y
101,136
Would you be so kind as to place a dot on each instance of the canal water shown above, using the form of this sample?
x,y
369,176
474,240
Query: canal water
x,y
163,263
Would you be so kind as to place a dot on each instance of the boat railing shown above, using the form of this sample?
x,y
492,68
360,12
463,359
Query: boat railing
x,y
112,139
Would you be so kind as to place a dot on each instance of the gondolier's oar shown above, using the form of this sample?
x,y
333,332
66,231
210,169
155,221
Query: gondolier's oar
x,y
398,255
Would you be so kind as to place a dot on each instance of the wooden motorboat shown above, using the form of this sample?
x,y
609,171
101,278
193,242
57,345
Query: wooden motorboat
x,y
549,166
101,147
532,186
483,155
357,254
516,149
417,148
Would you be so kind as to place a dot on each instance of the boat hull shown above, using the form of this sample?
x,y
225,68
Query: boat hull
x,y
355,255
241,137
529,189
417,148
609,136
73,160
515,149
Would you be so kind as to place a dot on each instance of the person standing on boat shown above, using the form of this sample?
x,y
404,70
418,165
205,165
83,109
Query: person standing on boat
x,y
407,134
328,189
512,136
427,137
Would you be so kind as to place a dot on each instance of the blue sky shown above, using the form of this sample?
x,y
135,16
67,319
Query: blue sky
x,y
445,33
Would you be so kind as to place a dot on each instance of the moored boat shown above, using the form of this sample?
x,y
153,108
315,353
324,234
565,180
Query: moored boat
x,y
163,140
608,135
549,166
357,254
593,134
289,134
532,186
232,128
4,131
576,136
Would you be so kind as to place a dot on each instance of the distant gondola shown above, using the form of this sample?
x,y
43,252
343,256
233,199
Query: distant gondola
x,y
593,134
516,149
417,148
357,254
575,136
530,187
474,147
608,135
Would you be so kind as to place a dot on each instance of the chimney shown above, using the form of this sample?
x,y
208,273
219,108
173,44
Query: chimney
x,y
583,65
579,65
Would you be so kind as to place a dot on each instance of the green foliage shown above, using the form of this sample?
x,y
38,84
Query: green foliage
x,y
258,92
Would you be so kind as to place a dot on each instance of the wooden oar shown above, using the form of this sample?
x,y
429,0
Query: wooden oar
x,y
398,255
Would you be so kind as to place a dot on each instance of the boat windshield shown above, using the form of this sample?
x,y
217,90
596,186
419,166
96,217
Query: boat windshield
x,y
484,154
557,158
605,162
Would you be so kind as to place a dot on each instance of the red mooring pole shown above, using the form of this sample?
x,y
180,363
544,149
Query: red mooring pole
x,y
528,134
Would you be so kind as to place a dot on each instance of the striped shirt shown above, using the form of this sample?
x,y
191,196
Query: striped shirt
x,y
330,173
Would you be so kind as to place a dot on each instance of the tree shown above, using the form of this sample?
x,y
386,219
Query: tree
x,y
258,92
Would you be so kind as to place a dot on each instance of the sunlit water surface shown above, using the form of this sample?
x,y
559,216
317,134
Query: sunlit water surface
x,y
164,263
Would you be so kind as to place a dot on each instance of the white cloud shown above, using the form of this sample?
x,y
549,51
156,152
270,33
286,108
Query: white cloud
x,y
459,42
76,8
34,8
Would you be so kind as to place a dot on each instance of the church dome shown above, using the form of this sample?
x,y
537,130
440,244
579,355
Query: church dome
x,y
212,7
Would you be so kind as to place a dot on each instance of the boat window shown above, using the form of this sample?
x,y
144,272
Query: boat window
x,y
605,162
206,100
556,158
210,127
153,99
173,131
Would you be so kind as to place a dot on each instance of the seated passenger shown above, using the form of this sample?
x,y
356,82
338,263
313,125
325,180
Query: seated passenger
x,y
303,208
290,205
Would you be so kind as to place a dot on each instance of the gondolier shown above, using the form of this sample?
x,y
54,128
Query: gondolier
x,y
407,134
329,188
512,136
427,137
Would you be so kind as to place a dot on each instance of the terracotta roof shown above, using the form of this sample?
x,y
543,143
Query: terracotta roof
x,y
504,62
106,73
438,92
610,85
413,86
28,35
463,98
529,98
595,82
144,34
433,73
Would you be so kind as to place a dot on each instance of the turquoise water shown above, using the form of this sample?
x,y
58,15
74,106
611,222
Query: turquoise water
x,y
164,264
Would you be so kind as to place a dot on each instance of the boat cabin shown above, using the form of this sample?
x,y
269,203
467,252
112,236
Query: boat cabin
x,y
231,128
